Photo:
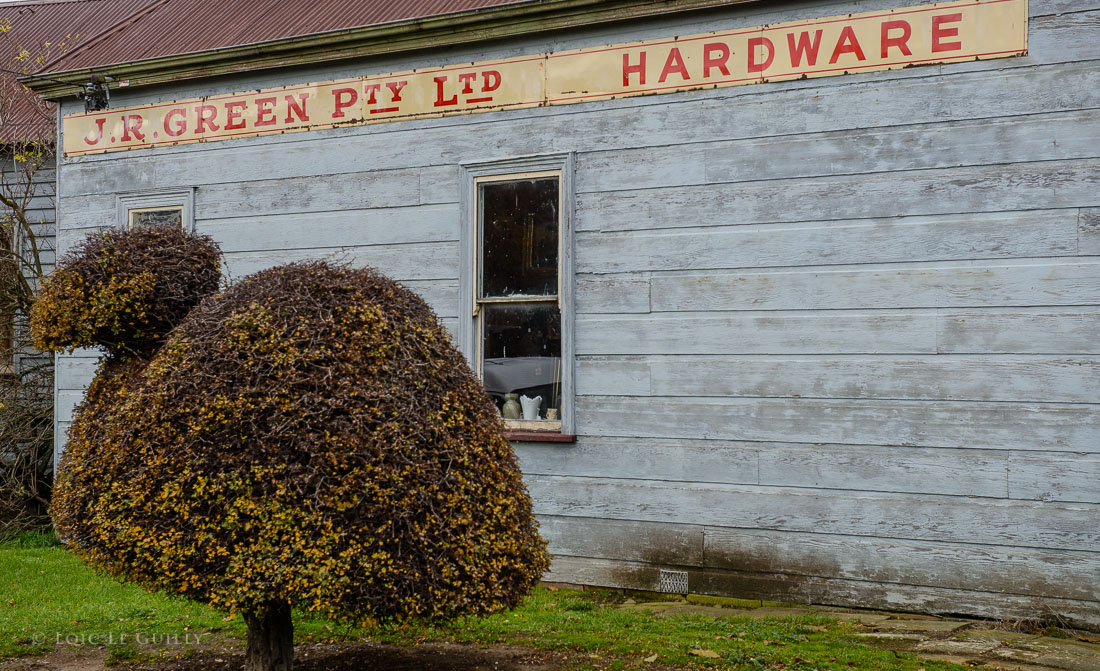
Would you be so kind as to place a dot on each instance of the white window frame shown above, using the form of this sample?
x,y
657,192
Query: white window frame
x,y
469,335
157,200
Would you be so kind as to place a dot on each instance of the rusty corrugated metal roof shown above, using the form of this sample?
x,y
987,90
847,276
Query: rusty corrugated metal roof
x,y
33,34
172,27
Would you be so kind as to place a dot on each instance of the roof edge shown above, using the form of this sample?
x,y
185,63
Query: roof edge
x,y
465,27
111,29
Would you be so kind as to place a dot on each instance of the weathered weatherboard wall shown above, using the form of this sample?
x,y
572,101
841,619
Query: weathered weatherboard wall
x,y
40,212
836,339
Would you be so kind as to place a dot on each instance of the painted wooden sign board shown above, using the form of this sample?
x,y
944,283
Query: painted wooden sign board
x,y
922,35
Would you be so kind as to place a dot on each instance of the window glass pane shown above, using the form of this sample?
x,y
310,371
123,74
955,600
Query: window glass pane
x,y
167,216
519,238
522,356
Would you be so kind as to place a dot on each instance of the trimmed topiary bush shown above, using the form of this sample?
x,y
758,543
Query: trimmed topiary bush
x,y
122,291
308,438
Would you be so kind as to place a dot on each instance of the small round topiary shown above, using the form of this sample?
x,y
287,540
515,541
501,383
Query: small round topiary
x,y
311,438
122,291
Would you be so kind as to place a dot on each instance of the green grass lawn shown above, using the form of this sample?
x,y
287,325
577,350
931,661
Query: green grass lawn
x,y
49,597
589,623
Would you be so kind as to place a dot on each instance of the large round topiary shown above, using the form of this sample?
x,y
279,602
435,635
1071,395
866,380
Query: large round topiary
x,y
122,291
310,437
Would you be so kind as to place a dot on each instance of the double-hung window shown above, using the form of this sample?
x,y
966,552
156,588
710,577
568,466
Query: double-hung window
x,y
518,284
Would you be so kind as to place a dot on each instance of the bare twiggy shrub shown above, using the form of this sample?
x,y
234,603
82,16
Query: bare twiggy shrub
x,y
27,132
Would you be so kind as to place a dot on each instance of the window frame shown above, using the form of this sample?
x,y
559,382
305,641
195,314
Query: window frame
x,y
154,200
471,324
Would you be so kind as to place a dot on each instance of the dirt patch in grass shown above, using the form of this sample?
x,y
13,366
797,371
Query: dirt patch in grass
x,y
313,657
357,656
62,659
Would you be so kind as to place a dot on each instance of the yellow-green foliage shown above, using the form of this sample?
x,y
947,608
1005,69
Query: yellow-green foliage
x,y
123,291
310,436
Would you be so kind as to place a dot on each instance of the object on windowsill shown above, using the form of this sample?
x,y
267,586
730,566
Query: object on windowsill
x,y
530,407
511,409
551,413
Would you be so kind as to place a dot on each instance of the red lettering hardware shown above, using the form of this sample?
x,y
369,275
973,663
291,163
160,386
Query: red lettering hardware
x,y
755,44
901,41
638,69
716,55
674,64
805,48
847,44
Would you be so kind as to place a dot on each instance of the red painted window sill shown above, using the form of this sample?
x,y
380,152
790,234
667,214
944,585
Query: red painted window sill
x,y
540,437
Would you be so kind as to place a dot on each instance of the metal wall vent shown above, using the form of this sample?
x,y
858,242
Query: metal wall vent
x,y
674,582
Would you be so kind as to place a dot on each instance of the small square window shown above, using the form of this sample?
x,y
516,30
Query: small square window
x,y
157,208
144,217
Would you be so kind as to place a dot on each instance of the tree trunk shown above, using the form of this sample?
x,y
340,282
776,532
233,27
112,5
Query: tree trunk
x,y
270,639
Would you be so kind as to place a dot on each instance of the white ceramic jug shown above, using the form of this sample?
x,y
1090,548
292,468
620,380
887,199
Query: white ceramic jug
x,y
530,406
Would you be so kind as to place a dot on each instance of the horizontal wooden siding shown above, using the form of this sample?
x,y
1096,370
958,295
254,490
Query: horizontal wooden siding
x,y
836,338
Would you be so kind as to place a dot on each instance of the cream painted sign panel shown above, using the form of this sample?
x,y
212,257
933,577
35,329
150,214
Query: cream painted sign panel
x,y
944,32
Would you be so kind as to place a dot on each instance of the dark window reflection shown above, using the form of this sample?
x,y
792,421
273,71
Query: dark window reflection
x,y
519,245
522,356
160,217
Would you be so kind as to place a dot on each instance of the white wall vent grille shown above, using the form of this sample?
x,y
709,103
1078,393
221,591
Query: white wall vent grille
x,y
674,582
